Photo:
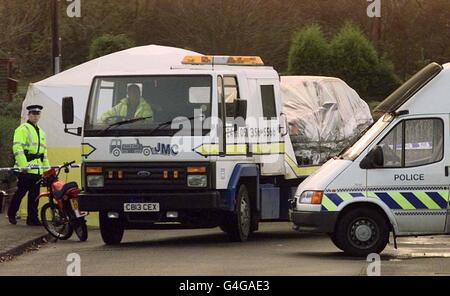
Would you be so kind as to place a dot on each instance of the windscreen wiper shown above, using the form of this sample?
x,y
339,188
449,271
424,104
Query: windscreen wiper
x,y
128,121
163,124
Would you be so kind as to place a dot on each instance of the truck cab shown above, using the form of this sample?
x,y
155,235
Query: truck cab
x,y
394,179
214,151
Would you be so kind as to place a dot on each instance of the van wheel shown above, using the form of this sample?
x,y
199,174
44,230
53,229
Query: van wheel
x,y
238,224
334,240
111,229
362,232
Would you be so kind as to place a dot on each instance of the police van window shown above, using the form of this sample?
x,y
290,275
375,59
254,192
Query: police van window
x,y
424,142
414,143
268,101
392,148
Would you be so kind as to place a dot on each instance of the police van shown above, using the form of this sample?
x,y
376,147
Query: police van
x,y
209,148
394,179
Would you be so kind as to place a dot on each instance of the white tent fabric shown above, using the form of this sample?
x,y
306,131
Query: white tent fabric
x,y
324,116
76,81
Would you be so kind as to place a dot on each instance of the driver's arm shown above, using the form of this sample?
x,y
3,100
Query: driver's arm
x,y
111,112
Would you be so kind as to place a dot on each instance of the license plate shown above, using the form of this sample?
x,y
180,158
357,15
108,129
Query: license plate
x,y
141,207
74,203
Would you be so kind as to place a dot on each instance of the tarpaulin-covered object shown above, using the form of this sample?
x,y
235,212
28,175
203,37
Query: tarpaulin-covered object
x,y
324,116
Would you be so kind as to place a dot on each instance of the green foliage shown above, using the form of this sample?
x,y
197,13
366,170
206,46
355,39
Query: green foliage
x,y
349,56
107,44
7,126
309,53
355,60
9,121
13,108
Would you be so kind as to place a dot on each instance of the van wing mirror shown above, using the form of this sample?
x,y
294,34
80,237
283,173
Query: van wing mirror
x,y
68,116
374,159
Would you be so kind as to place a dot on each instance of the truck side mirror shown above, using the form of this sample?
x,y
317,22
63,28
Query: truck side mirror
x,y
374,159
68,116
67,110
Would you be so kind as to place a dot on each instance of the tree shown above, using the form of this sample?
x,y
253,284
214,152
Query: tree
x,y
355,60
107,44
309,53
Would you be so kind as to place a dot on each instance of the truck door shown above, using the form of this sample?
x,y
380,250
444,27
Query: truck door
x,y
270,147
413,181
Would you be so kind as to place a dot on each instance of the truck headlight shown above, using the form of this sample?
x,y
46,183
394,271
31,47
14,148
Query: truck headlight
x,y
197,180
311,197
95,181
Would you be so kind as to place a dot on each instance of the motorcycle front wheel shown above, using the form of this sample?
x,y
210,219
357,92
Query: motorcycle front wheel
x,y
55,222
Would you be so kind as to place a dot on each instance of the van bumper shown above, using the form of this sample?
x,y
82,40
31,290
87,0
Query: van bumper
x,y
320,222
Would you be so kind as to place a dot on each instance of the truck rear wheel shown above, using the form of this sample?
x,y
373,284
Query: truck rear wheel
x,y
362,232
111,229
238,224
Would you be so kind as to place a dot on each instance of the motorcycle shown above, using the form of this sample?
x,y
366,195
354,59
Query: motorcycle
x,y
61,215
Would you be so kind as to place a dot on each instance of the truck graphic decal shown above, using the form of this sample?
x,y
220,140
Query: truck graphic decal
x,y
117,147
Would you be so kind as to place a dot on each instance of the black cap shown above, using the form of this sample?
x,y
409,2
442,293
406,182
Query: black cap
x,y
35,108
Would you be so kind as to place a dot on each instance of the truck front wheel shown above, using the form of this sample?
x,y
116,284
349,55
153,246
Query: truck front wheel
x,y
361,232
238,224
111,229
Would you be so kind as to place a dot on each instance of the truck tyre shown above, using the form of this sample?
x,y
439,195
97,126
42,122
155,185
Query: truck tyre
x,y
238,224
361,232
111,229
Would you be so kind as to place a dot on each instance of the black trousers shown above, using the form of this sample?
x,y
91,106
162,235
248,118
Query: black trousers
x,y
26,183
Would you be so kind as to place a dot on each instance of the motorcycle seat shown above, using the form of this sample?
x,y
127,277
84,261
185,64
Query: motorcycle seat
x,y
60,193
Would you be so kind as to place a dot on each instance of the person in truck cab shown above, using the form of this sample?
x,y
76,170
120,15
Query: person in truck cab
x,y
133,106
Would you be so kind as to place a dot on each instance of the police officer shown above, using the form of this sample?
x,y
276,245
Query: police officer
x,y
29,150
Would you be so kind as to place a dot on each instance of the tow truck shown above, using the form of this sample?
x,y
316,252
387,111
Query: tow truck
x,y
220,149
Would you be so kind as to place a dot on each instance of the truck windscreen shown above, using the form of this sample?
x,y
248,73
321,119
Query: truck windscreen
x,y
137,105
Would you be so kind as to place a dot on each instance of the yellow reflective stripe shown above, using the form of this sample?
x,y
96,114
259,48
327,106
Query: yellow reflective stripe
x,y
426,200
345,196
328,204
208,149
238,149
268,148
444,195
241,149
401,200
20,143
300,171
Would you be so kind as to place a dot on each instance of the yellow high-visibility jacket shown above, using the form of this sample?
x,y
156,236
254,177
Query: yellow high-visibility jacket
x,y
143,110
27,140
